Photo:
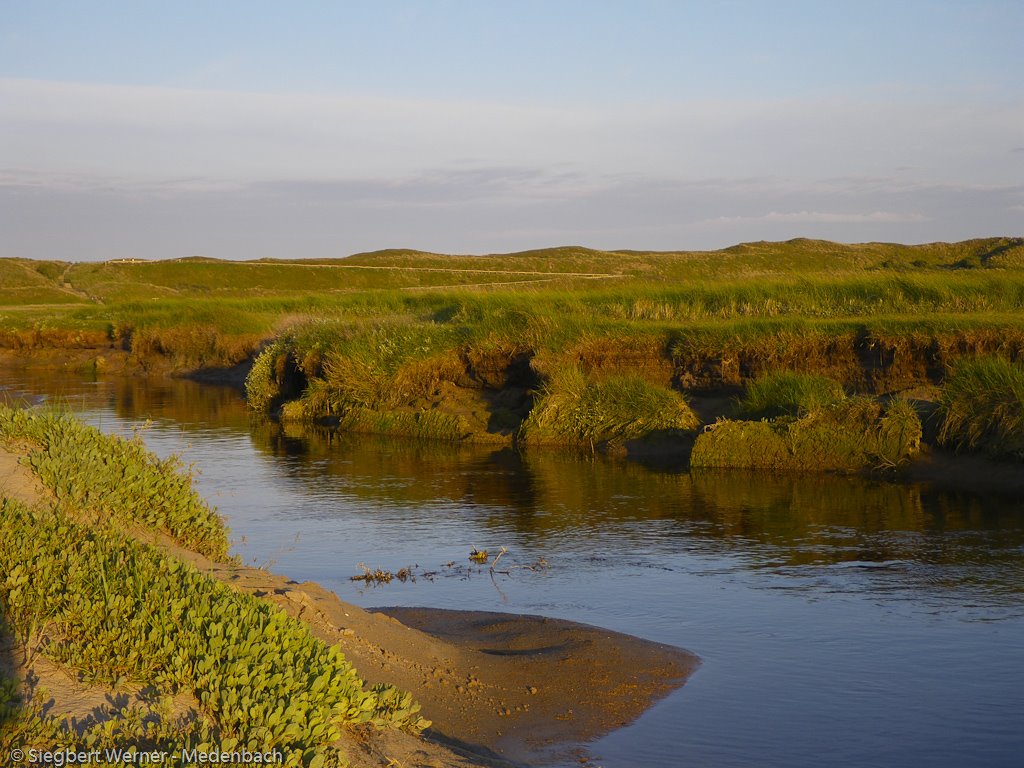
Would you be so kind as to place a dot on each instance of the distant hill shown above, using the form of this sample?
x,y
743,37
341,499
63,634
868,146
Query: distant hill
x,y
27,282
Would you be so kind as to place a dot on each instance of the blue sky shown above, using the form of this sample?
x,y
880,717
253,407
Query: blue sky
x,y
243,130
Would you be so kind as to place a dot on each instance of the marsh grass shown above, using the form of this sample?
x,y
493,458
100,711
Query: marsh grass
x,y
573,409
852,435
786,393
338,335
982,407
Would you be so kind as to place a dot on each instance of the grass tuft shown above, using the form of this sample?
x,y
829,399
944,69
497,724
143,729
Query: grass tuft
x,y
785,393
848,436
572,409
982,407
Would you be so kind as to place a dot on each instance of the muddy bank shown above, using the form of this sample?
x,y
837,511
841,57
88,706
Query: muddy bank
x,y
542,682
114,361
974,473
500,689
504,687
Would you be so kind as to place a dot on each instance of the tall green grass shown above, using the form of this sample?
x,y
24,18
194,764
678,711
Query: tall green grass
x,y
786,393
982,407
849,436
573,409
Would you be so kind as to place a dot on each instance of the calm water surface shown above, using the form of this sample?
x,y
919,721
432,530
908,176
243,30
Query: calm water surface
x,y
841,622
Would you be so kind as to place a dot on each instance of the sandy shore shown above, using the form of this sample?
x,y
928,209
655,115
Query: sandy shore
x,y
501,689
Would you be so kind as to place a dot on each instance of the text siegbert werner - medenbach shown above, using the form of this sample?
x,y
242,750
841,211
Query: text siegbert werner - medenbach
x,y
124,757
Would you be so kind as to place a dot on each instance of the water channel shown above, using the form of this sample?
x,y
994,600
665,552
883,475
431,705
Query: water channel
x,y
841,621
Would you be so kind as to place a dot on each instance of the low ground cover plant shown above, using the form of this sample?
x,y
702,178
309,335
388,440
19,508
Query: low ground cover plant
x,y
112,476
115,609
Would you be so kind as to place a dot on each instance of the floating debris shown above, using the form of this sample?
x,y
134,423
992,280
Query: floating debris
x,y
380,576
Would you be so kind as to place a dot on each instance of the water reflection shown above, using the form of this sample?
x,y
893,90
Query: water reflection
x,y
857,534
191,404
890,532
836,617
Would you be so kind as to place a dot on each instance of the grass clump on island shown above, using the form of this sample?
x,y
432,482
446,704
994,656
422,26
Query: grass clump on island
x,y
415,379
368,365
370,379
111,476
787,393
982,407
816,428
573,409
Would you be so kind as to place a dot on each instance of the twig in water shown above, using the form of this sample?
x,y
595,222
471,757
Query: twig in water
x,y
503,551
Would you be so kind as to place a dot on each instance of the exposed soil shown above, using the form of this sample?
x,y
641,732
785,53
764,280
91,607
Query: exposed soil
x,y
974,473
112,360
501,689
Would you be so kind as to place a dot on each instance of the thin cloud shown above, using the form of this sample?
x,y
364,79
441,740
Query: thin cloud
x,y
843,218
153,133
828,217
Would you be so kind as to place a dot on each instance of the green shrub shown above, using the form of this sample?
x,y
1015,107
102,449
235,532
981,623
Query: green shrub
x,y
848,436
982,406
786,393
574,410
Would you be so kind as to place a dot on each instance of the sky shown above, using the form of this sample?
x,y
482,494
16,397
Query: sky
x,y
321,129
